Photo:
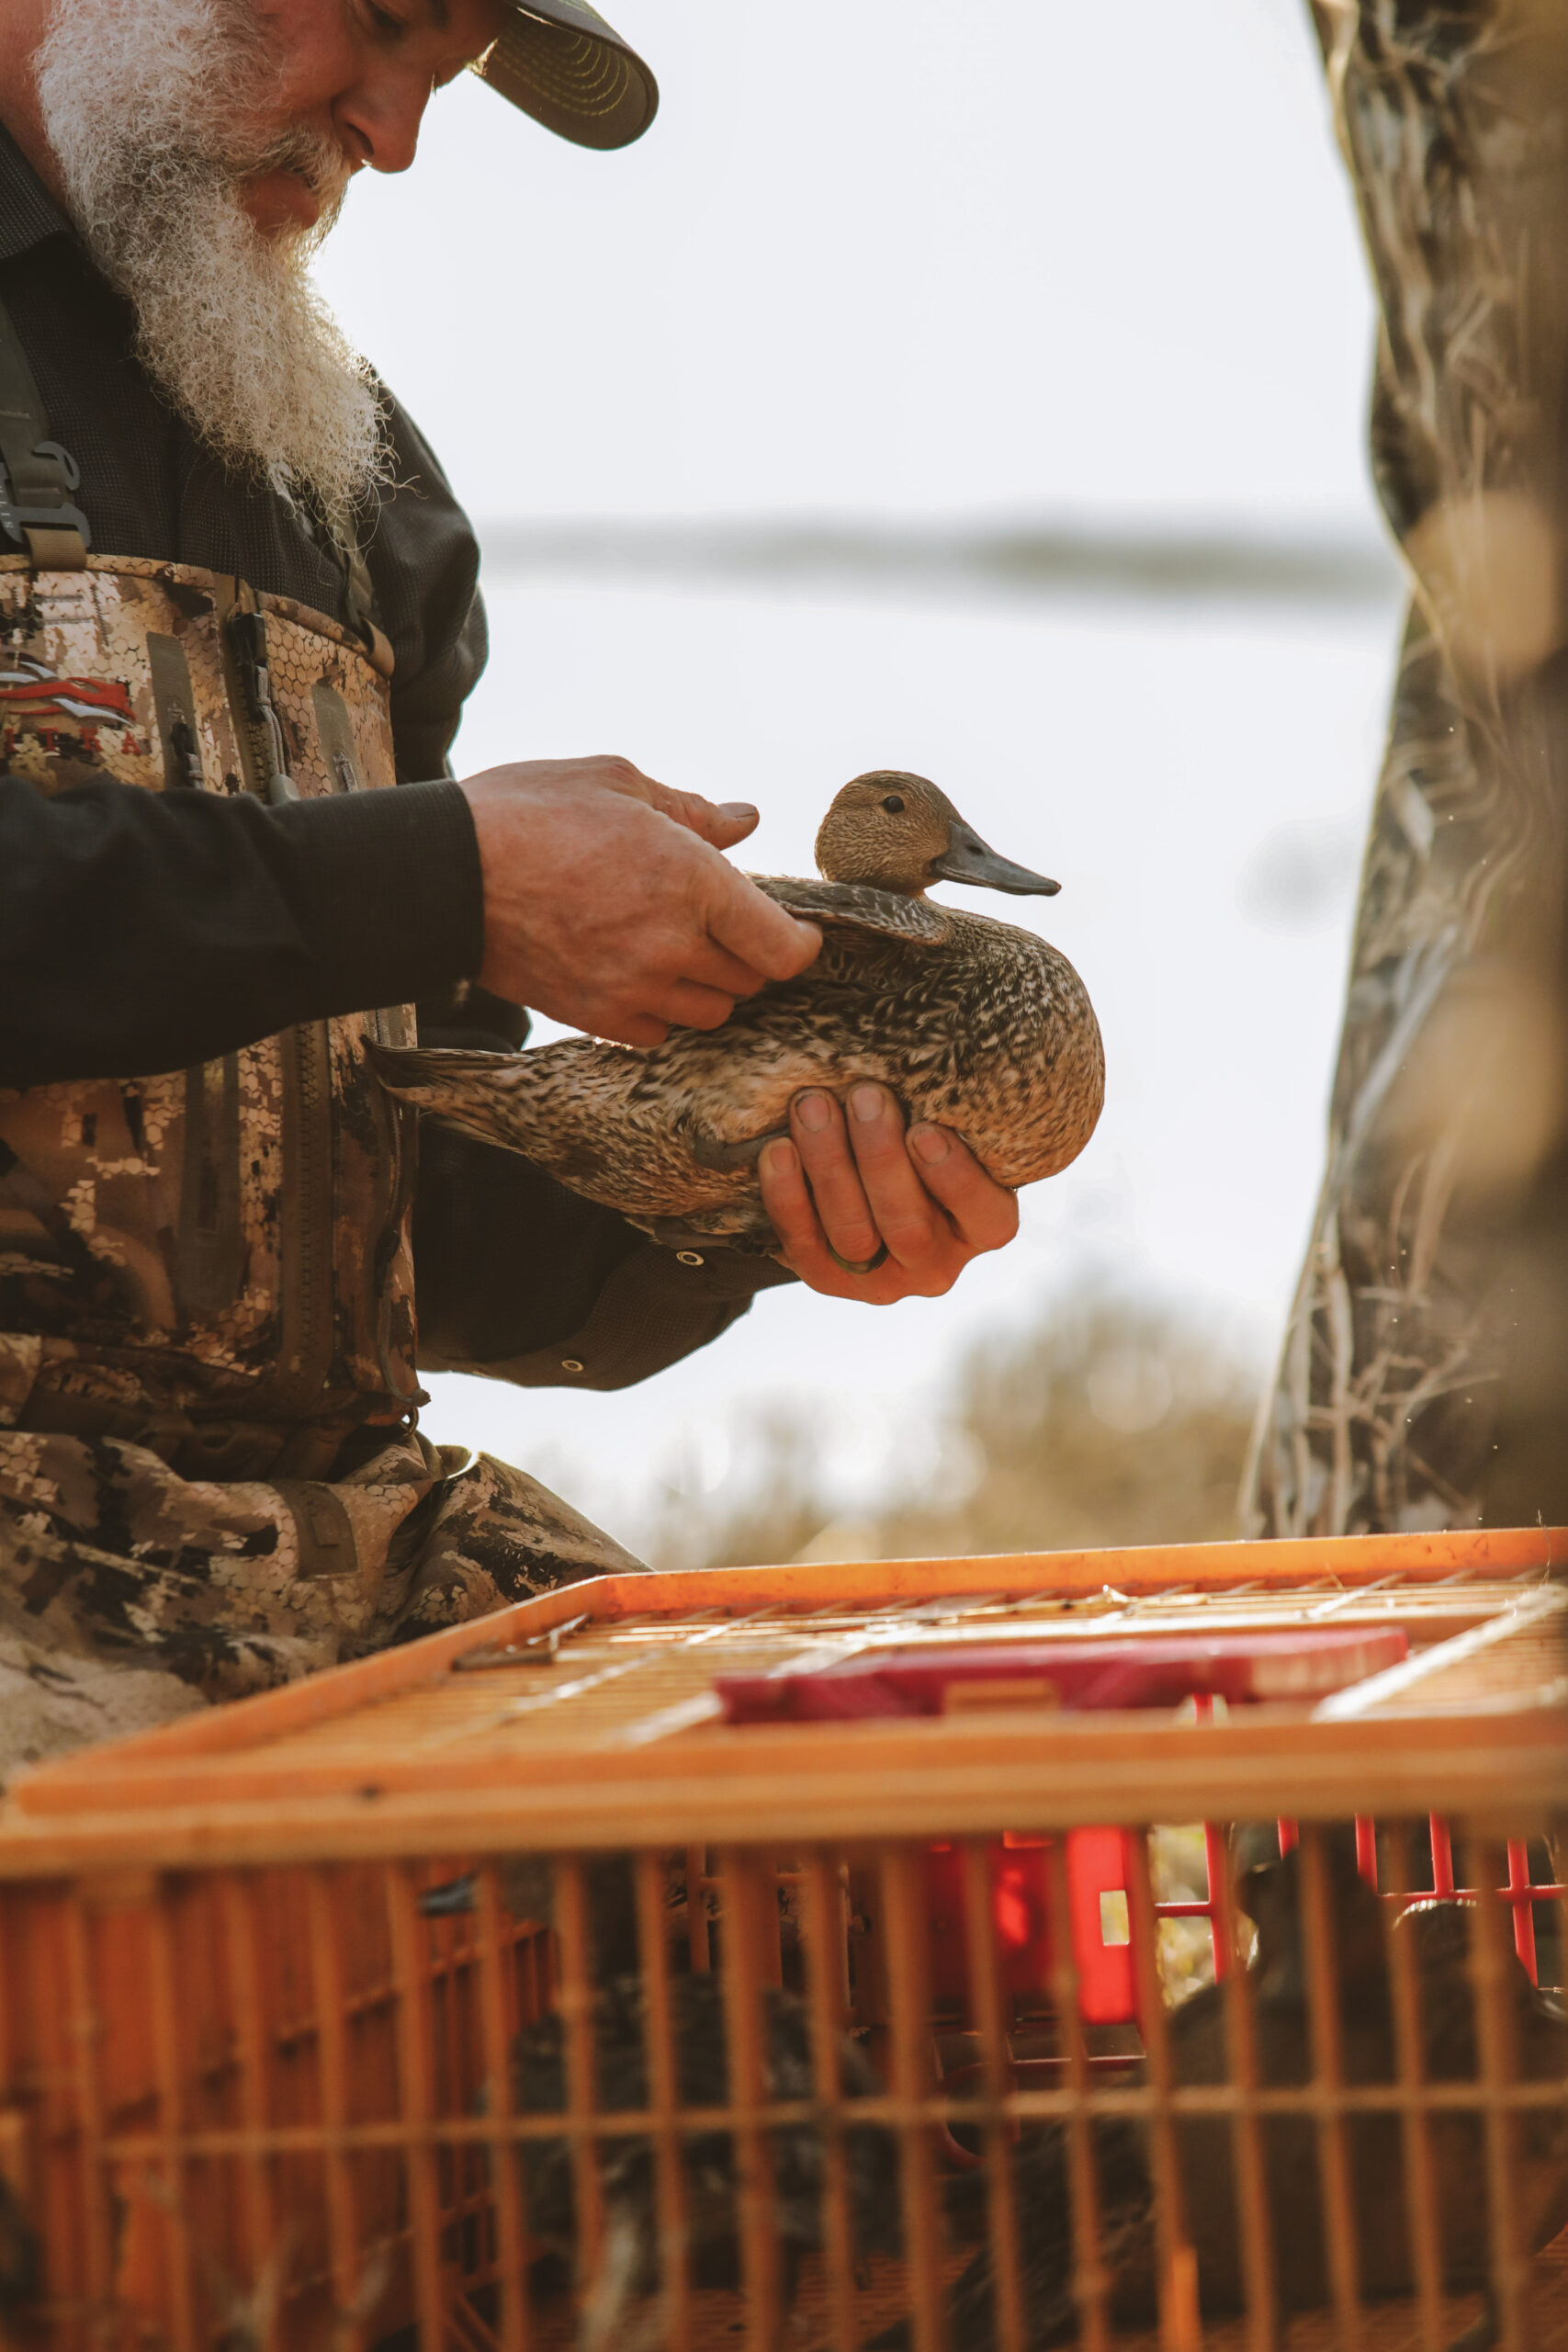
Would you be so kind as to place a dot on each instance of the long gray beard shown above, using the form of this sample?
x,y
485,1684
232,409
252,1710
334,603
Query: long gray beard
x,y
145,104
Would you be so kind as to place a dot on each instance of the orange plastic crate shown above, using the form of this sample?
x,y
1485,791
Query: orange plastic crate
x,y
247,2081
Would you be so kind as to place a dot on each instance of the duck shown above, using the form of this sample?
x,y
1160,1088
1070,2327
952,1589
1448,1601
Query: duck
x,y
1438,1933
971,1024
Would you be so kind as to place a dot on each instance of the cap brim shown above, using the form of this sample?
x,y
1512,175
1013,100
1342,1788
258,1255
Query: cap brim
x,y
559,62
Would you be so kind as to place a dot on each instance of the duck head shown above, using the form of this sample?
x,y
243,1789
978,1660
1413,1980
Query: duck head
x,y
899,832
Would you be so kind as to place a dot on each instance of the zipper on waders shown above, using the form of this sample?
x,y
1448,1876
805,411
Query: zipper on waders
x,y
305,1208
403,1138
396,1123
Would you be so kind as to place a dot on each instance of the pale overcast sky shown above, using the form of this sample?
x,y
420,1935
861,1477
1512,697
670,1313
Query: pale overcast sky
x,y
889,254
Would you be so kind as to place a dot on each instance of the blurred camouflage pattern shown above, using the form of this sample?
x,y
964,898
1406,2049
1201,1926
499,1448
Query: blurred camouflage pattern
x,y
1424,1376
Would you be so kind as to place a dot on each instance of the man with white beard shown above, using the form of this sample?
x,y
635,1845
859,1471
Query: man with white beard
x,y
239,619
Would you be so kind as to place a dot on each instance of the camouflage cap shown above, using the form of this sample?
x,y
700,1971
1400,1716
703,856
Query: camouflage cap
x,y
563,64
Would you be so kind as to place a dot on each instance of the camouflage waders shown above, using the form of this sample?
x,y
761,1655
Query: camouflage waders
x,y
209,1475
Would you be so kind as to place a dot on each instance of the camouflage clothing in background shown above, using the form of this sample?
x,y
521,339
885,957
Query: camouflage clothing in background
x,y
129,1595
1424,1377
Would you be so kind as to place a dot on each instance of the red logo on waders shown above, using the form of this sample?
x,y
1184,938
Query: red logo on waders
x,y
64,714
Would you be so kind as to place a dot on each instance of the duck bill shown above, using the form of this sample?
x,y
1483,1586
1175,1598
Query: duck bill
x,y
969,859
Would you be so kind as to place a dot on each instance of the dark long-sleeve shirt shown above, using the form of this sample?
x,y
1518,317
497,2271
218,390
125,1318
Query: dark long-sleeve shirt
x,y
142,931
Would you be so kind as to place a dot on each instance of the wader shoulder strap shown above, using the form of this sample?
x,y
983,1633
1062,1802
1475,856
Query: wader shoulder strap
x,y
359,603
36,512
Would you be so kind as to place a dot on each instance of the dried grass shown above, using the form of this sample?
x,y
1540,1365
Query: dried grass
x,y
1106,1420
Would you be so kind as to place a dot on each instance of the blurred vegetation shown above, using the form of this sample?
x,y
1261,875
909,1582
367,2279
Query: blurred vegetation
x,y
1107,1421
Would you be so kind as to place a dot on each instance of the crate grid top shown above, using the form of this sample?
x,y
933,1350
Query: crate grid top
x,y
602,1692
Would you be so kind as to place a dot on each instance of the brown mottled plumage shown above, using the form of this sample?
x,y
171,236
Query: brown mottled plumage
x,y
973,1025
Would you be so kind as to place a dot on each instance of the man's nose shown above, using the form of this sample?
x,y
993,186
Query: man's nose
x,y
379,124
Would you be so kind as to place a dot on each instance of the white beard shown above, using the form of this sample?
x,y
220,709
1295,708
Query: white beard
x,y
145,104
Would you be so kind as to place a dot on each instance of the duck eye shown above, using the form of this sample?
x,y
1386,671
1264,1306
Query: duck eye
x,y
893,805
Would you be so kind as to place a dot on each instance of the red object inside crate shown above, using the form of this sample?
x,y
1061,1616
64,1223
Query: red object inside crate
x,y
1096,1864
1098,1872
1161,1671
1018,1875
1149,1672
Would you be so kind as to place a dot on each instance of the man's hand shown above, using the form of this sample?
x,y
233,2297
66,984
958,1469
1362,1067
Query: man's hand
x,y
607,904
853,1186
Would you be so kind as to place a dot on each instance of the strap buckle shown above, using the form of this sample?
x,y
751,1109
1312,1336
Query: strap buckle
x,y
33,497
359,601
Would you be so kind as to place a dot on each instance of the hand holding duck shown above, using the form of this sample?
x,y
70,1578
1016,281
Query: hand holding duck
x,y
848,1189
608,906
977,1029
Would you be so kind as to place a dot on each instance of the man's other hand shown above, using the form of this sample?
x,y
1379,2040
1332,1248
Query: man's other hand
x,y
608,906
853,1186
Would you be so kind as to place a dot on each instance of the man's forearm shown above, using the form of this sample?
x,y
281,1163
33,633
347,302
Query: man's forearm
x,y
143,931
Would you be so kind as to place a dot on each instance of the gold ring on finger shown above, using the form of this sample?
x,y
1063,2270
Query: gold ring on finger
x,y
859,1265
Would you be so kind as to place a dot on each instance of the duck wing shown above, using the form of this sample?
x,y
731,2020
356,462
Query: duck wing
x,y
855,906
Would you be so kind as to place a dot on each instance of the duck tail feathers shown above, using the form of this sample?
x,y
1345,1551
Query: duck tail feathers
x,y
478,1093
400,1066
